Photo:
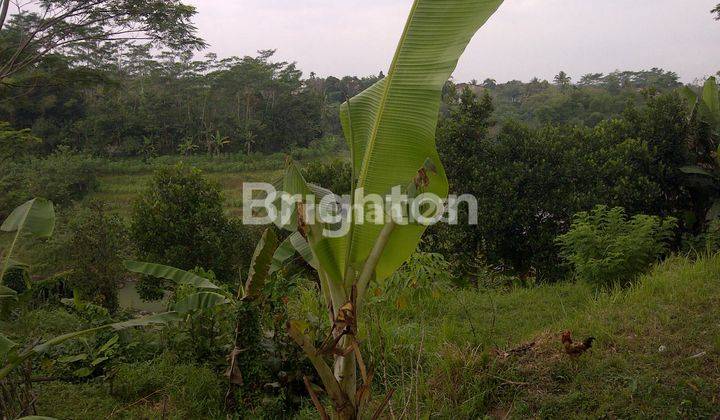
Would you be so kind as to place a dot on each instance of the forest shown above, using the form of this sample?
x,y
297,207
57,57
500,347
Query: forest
x,y
130,287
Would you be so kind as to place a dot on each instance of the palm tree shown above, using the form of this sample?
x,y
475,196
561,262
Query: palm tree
x,y
562,80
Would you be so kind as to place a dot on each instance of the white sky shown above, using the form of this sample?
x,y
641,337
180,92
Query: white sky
x,y
526,38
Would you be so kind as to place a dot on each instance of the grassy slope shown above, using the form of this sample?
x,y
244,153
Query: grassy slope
x,y
451,335
626,375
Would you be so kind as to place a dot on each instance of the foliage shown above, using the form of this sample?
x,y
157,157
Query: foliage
x,y
16,143
179,221
702,173
424,273
94,253
35,218
85,30
606,248
545,175
62,177
335,176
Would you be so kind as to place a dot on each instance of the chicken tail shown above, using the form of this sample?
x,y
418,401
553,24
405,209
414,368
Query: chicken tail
x,y
588,342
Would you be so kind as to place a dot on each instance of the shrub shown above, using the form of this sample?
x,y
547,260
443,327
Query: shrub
x,y
605,247
179,221
335,176
94,253
62,178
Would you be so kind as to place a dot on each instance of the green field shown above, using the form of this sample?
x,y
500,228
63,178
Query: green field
x,y
120,182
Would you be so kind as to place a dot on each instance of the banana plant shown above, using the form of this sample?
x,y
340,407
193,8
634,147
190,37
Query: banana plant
x,y
705,172
34,218
390,128
12,356
269,257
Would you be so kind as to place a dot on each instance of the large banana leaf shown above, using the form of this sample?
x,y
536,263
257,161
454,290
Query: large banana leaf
x,y
260,263
169,273
7,293
711,101
199,301
36,217
391,126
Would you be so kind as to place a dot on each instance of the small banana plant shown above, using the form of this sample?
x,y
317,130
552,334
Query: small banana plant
x,y
37,218
390,128
269,257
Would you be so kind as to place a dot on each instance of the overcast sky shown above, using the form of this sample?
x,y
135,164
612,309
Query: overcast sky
x,y
525,38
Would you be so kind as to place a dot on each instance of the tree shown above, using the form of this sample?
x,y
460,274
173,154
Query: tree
x,y
94,254
88,30
489,83
562,80
179,220
716,10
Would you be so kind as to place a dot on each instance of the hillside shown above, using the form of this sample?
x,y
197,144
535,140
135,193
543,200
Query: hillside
x,y
657,353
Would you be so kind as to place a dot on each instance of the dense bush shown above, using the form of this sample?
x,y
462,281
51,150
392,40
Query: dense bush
x,y
62,178
335,176
529,182
604,247
179,221
94,252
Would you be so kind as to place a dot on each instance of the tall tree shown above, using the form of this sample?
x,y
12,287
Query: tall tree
x,y
716,10
562,80
86,29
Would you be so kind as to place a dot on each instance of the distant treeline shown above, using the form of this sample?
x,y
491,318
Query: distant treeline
x,y
146,105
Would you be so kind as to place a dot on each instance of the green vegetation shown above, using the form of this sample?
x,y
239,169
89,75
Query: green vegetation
x,y
604,247
130,288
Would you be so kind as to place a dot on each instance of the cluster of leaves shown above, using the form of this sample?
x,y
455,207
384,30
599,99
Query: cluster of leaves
x,y
424,274
335,176
94,252
62,177
179,221
605,248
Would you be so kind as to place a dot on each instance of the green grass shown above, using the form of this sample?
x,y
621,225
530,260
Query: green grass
x,y
120,181
657,352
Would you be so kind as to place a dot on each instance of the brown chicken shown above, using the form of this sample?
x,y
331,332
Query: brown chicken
x,y
576,348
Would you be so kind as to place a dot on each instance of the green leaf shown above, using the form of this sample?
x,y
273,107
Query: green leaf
x,y
690,96
73,359
329,252
169,273
38,418
199,301
111,342
6,346
99,360
36,217
391,126
711,100
696,170
83,372
260,263
7,293
294,243
714,211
